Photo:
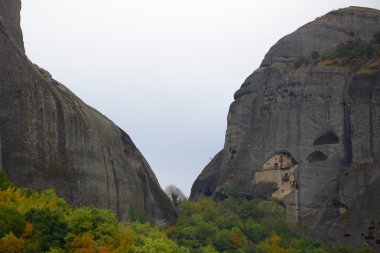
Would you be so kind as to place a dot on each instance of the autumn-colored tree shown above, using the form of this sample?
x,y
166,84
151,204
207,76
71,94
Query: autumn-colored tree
x,y
83,243
28,231
103,249
237,238
12,244
33,222
24,200
272,245
125,241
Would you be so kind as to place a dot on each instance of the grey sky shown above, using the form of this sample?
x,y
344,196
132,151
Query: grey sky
x,y
163,70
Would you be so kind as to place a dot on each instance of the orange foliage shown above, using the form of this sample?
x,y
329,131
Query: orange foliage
x,y
170,230
12,244
83,243
104,250
126,241
29,231
237,238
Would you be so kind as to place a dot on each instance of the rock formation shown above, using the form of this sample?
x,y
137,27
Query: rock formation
x,y
316,128
51,139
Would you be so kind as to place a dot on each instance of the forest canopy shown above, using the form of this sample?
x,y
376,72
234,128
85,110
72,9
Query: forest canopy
x,y
34,222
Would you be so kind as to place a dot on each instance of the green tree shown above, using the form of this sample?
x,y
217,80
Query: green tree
x,y
101,223
11,221
209,249
307,245
249,209
50,228
222,241
254,231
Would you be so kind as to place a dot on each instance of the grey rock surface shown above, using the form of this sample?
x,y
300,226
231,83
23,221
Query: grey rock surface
x,y
326,117
51,139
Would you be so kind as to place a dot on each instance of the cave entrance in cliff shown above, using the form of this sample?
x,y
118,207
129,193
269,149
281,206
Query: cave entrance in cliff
x,y
280,169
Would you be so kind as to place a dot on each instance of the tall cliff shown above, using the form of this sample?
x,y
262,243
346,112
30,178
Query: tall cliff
x,y
308,134
50,138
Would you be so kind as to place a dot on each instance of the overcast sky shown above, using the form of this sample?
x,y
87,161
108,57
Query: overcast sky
x,y
165,71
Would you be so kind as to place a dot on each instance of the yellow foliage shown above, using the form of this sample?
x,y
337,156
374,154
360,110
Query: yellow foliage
x,y
21,201
12,244
273,245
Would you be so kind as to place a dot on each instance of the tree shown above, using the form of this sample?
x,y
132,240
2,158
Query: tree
x,y
83,243
209,249
272,244
12,244
101,223
237,238
11,221
175,194
254,232
223,241
50,228
125,241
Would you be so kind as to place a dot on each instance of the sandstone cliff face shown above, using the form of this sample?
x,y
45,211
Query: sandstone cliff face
x,y
325,118
50,138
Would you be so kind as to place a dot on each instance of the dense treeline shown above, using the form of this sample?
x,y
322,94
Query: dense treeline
x,y
43,222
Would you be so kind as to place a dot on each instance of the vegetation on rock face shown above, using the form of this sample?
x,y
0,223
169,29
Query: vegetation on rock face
x,y
42,222
362,56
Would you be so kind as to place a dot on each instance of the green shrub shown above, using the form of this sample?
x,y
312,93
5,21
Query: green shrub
x,y
4,181
315,55
11,221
